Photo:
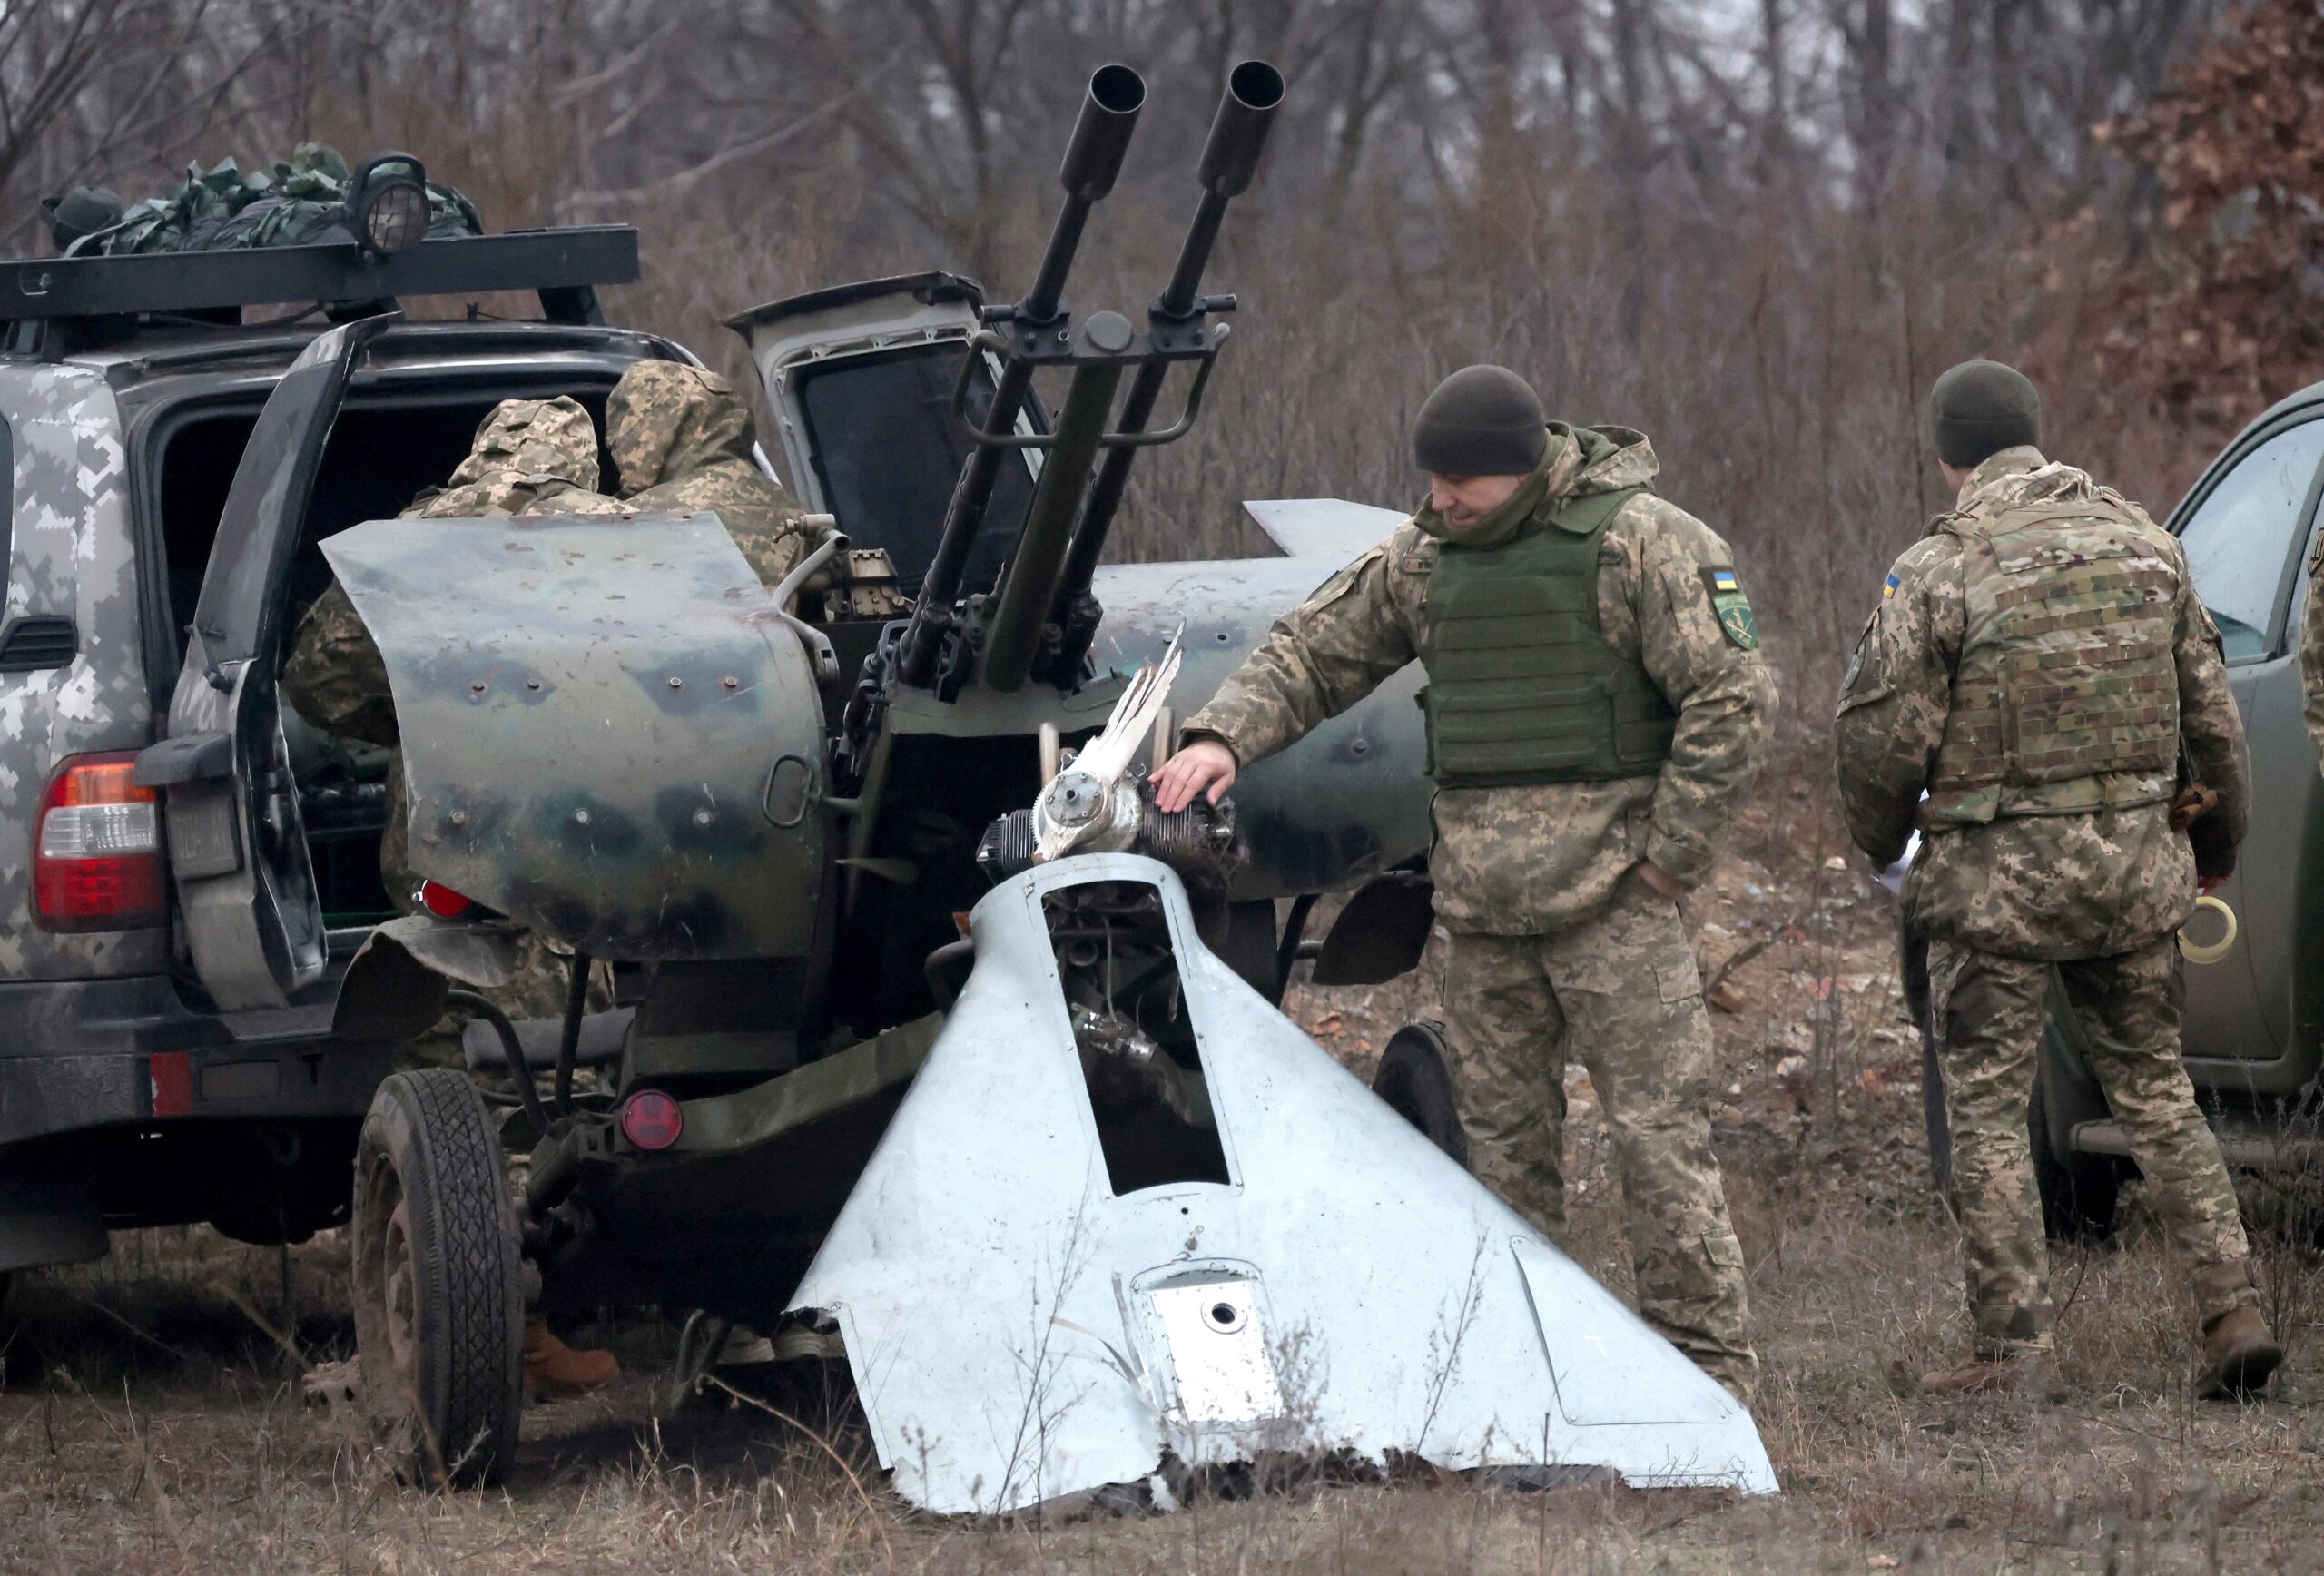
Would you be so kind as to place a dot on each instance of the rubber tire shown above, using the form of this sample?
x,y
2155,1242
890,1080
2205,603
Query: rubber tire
x,y
1249,948
1415,1078
2079,1193
451,1417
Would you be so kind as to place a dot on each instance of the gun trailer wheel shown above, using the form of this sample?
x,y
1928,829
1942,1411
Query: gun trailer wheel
x,y
439,1287
1415,1078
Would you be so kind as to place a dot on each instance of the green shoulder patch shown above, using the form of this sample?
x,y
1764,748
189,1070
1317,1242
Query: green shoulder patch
x,y
1733,608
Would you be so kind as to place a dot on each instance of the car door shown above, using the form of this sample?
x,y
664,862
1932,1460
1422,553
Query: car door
x,y
2245,527
245,890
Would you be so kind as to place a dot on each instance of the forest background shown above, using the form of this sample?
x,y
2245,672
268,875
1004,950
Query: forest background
x,y
1755,229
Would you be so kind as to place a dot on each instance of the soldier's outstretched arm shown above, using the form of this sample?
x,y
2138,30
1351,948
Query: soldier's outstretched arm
x,y
2312,653
1896,696
1700,643
2210,728
1318,660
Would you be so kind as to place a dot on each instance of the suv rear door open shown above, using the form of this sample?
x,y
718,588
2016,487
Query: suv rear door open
x,y
245,890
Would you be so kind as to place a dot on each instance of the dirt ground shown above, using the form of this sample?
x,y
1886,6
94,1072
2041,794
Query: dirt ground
x,y
152,1419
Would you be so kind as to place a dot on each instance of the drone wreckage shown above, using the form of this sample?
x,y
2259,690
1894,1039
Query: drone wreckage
x,y
929,1032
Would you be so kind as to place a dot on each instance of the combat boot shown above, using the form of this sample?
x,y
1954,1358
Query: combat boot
x,y
552,1368
2239,1356
2018,1374
801,1342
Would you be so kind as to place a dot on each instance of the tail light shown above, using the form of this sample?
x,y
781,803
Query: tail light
x,y
651,1120
442,901
97,849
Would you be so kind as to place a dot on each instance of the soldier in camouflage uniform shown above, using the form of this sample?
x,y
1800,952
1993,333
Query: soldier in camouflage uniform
x,y
683,437
529,456
2039,666
1598,709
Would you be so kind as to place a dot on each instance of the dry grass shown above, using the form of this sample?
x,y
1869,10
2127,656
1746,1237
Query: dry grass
x,y
184,1447
148,1426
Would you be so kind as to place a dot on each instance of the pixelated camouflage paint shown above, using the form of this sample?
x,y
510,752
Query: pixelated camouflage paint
x,y
522,651
71,553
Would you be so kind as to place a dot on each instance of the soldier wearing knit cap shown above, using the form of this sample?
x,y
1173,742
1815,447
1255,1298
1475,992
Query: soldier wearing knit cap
x,y
1979,408
1597,711
2041,694
1480,421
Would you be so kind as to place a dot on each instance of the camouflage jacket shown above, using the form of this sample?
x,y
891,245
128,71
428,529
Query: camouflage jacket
x,y
681,438
2024,886
530,456
2311,650
1533,860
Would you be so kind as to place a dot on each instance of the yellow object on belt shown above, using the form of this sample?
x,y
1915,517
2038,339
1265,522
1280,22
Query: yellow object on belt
x,y
2211,951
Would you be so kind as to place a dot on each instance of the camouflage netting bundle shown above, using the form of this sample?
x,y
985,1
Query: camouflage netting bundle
x,y
296,203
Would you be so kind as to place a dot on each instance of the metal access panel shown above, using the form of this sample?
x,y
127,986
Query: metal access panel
x,y
610,733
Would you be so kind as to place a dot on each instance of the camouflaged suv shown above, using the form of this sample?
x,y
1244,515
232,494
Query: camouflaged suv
x,y
167,1005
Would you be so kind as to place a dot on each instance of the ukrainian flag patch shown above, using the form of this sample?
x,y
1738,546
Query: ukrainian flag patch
x,y
1889,589
1732,607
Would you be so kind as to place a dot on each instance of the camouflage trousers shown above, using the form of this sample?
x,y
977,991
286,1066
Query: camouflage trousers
x,y
1618,991
1989,1012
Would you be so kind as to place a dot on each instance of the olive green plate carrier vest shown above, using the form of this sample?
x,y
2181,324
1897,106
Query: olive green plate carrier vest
x,y
1522,687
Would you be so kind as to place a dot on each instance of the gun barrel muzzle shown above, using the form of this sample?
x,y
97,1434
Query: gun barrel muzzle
x,y
1231,157
1101,133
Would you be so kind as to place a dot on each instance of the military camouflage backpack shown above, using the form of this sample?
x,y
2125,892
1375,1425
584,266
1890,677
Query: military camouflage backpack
x,y
295,202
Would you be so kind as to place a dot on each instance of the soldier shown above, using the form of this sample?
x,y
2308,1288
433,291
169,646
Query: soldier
x,y
683,438
529,456
1598,709
2039,666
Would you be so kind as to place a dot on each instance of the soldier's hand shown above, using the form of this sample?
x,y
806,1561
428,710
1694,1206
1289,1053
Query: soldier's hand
x,y
1204,766
1661,879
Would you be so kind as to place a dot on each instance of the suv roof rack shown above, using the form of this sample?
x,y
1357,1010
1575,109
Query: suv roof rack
x,y
565,266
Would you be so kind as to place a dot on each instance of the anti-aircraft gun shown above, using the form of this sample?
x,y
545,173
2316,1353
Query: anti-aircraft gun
x,y
902,1004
